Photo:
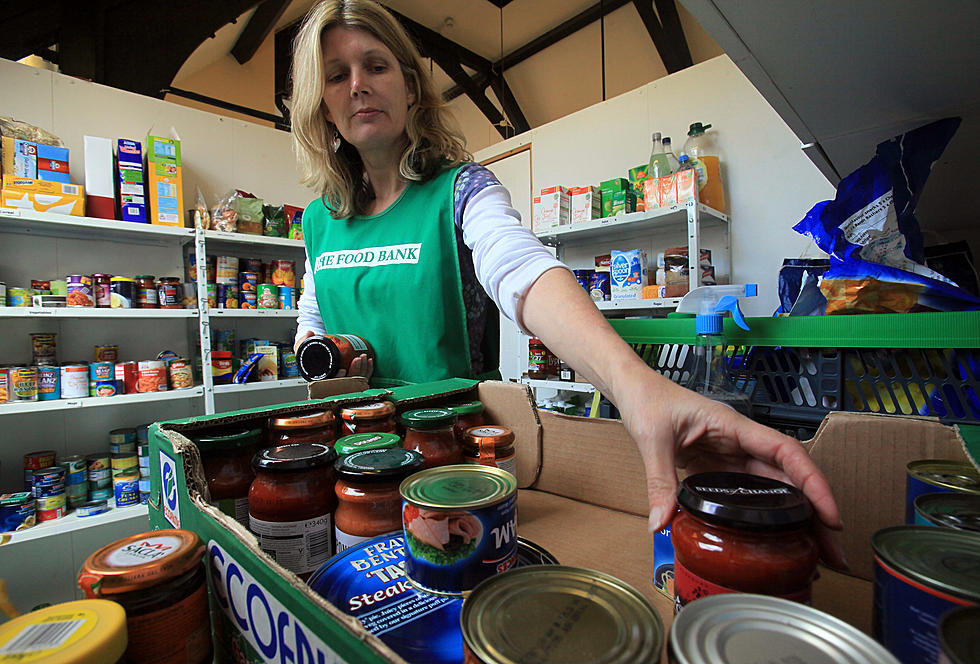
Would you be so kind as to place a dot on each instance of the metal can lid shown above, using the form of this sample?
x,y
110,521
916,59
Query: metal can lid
x,y
368,411
468,408
293,457
227,440
946,474
742,628
739,500
498,436
367,441
959,638
510,618
384,465
458,486
952,510
318,418
98,635
140,561
940,558
529,553
92,507
428,418
126,434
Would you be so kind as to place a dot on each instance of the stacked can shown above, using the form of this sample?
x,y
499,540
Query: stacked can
x,y
127,377
76,480
102,379
248,285
144,485
49,493
48,383
99,476
74,381
36,461
22,383
227,282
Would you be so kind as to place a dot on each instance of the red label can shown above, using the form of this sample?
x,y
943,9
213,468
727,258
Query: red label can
x,y
128,374
101,283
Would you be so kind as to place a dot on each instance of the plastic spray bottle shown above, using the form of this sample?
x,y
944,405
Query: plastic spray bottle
x,y
710,374
659,166
701,148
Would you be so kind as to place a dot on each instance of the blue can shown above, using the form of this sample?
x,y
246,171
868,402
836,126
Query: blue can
x,y
599,286
948,510
100,372
48,383
937,476
287,297
584,277
17,511
127,492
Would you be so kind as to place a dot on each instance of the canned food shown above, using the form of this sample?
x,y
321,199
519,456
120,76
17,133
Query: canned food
x,y
556,613
190,296
50,475
743,628
249,300
181,375
59,287
122,448
3,294
529,553
124,460
17,511
460,527
268,296
212,290
74,381
227,272
97,462
99,375
23,383
920,573
73,464
104,493
949,510
107,353
76,493
36,461
102,284
128,374
127,491
959,638
50,502
227,296
289,366
123,292
247,282
19,297
48,383
210,265
152,376
283,273
44,347
80,291
41,285
938,475
51,514
49,301
92,507
287,297
123,435
5,395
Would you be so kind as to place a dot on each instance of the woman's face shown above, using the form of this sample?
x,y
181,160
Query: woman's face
x,y
364,90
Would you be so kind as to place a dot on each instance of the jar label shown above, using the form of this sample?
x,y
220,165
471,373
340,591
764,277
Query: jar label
x,y
236,508
689,587
508,463
346,541
537,360
299,546
356,342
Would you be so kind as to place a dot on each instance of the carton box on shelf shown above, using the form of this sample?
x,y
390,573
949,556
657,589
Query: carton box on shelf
x,y
100,189
132,187
593,517
164,183
623,202
268,367
585,204
670,190
33,160
607,189
553,209
637,176
42,196
627,274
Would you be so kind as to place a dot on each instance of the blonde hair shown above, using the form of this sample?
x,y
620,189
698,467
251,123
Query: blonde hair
x,y
434,141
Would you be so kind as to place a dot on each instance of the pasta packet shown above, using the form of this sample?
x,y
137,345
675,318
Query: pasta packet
x,y
223,216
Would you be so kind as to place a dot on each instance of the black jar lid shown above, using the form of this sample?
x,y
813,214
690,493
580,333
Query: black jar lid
x,y
739,500
318,358
293,457
428,418
385,465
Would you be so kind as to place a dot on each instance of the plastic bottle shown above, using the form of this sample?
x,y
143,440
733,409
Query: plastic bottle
x,y
659,166
684,164
671,157
701,148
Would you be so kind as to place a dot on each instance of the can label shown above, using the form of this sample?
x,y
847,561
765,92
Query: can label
x,y
103,293
108,354
268,296
52,514
283,273
48,383
152,376
17,512
146,297
74,381
80,292
4,385
127,493
169,296
287,299
128,373
44,347
101,371
181,376
123,294
23,383
299,546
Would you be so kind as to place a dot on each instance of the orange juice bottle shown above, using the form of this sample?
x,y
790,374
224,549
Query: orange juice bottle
x,y
703,153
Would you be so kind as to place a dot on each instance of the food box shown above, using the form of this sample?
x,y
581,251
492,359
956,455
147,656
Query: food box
x,y
608,189
585,204
623,202
132,187
164,182
33,160
100,188
553,208
670,190
591,515
42,196
627,274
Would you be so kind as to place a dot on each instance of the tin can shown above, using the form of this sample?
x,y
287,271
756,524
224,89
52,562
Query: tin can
x,y
122,447
92,507
80,291
49,509
48,383
227,296
23,383
124,461
98,373
127,491
107,353
73,464
948,510
749,628
77,493
50,502
529,553
49,301
36,461
41,286
124,435
152,376
123,292
476,502
96,463
181,375
599,286
19,297
250,265
210,267
212,290
570,614
283,273
44,347
103,493
59,287
129,374
227,271
583,277
287,297
936,476
268,296
102,284
289,367
249,300
74,381
3,294
959,638
248,281
920,573
190,296
49,490
49,476
5,395
170,293
17,511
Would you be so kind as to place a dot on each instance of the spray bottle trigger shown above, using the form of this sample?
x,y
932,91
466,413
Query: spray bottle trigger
x,y
730,303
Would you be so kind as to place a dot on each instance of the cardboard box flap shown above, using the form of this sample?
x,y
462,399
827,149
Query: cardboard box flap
x,y
513,406
864,458
569,449
323,389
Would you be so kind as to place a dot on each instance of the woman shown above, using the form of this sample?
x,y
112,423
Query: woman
x,y
408,243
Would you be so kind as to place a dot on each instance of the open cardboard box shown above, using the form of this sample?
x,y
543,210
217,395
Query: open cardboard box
x,y
582,497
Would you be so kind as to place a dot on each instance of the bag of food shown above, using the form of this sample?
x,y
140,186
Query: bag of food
x,y
275,221
224,217
250,216
202,217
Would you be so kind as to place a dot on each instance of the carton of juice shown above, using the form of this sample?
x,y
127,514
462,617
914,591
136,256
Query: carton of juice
x,y
585,204
554,208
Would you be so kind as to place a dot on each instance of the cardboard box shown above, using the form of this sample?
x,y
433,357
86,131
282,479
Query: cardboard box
x,y
623,202
585,203
554,208
268,367
42,196
100,187
670,190
132,185
164,182
590,515
608,189
33,160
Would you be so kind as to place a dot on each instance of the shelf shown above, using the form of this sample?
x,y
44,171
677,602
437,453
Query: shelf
x,y
94,402
73,522
254,240
89,228
253,313
659,219
262,385
557,385
93,312
638,305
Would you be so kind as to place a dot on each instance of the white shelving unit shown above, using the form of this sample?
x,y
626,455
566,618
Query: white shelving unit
x,y
94,312
73,522
638,305
69,226
254,240
253,313
99,402
261,385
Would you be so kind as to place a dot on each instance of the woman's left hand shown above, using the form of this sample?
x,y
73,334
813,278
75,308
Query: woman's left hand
x,y
362,365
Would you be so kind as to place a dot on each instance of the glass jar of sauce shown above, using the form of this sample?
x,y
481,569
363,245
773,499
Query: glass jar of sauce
x,y
170,293
468,415
490,445
291,504
369,502
227,460
377,417
742,533
159,579
314,427
538,362
324,356
146,292
359,442
429,431
102,287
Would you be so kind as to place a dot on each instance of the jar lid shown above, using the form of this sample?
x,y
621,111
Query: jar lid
x,y
140,561
227,440
101,274
367,441
387,465
428,418
368,411
174,279
940,559
122,279
94,630
293,457
468,408
535,340
739,500
317,418
492,434
318,358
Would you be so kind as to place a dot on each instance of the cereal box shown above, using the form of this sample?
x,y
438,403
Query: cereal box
x,y
164,181
132,192
42,196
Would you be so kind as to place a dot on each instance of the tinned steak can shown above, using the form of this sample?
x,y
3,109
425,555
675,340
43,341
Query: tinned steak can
x,y
460,526
937,476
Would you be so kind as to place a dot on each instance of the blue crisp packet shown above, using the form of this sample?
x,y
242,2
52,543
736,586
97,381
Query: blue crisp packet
x,y
246,369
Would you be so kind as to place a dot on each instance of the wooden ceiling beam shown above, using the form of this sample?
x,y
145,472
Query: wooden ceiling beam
x,y
664,28
260,26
